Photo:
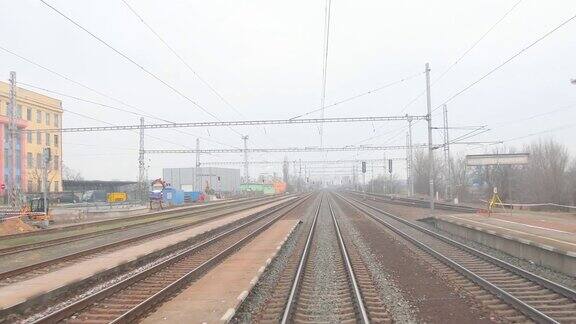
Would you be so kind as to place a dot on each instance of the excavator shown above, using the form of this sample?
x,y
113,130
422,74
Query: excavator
x,y
34,212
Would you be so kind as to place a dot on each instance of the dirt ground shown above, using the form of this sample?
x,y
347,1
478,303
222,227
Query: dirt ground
x,y
14,226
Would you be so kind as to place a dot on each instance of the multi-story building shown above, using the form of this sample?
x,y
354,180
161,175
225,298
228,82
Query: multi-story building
x,y
36,113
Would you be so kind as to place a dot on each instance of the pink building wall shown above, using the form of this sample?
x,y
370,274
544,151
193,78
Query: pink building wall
x,y
22,124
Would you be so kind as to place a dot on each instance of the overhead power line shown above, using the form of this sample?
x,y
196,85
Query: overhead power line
x,y
365,93
141,67
237,123
326,46
461,57
118,109
498,67
60,75
181,59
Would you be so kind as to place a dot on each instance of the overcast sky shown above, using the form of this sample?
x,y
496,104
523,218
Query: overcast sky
x,y
265,58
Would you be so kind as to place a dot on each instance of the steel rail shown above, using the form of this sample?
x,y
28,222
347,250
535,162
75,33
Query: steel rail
x,y
518,304
88,251
177,214
158,297
562,290
111,221
415,202
292,297
357,294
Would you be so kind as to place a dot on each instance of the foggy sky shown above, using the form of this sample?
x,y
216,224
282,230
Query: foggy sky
x,y
265,58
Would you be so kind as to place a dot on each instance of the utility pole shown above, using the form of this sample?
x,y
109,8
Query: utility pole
x,y
372,179
13,185
46,157
141,164
384,173
409,158
407,163
448,190
197,164
300,176
430,148
246,176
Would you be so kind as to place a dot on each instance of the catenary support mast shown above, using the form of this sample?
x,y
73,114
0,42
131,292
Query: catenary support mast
x,y
430,144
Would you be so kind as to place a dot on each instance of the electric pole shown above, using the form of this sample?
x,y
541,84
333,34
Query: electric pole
x,y
46,157
448,191
430,148
409,158
13,181
246,176
197,166
142,164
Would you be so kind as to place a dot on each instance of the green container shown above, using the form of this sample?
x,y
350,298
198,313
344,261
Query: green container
x,y
265,189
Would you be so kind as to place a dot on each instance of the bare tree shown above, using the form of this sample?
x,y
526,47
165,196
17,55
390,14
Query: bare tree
x,y
545,178
421,169
70,174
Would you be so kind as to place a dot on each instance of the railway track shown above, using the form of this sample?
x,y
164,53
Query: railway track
x,y
34,269
134,296
414,202
324,281
117,225
531,296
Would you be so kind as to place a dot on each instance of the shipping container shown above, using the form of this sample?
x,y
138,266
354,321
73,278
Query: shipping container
x,y
220,180
116,197
280,187
172,196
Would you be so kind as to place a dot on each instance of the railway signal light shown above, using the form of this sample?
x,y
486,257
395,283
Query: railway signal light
x,y
363,167
390,166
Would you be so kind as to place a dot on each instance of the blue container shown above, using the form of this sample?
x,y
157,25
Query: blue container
x,y
172,196
192,196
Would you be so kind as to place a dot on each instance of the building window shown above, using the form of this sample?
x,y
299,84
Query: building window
x,y
56,120
47,139
56,185
29,160
56,139
29,137
38,138
38,116
48,119
38,161
30,188
28,113
19,111
56,162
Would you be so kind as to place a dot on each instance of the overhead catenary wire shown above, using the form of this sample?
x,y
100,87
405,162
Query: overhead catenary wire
x,y
510,59
101,121
187,65
132,61
326,47
80,84
463,55
118,109
362,94
182,60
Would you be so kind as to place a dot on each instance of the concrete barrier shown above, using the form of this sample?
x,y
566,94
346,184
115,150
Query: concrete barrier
x,y
537,253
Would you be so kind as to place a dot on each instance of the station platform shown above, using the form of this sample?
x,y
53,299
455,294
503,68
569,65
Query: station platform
x,y
57,282
217,295
545,238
